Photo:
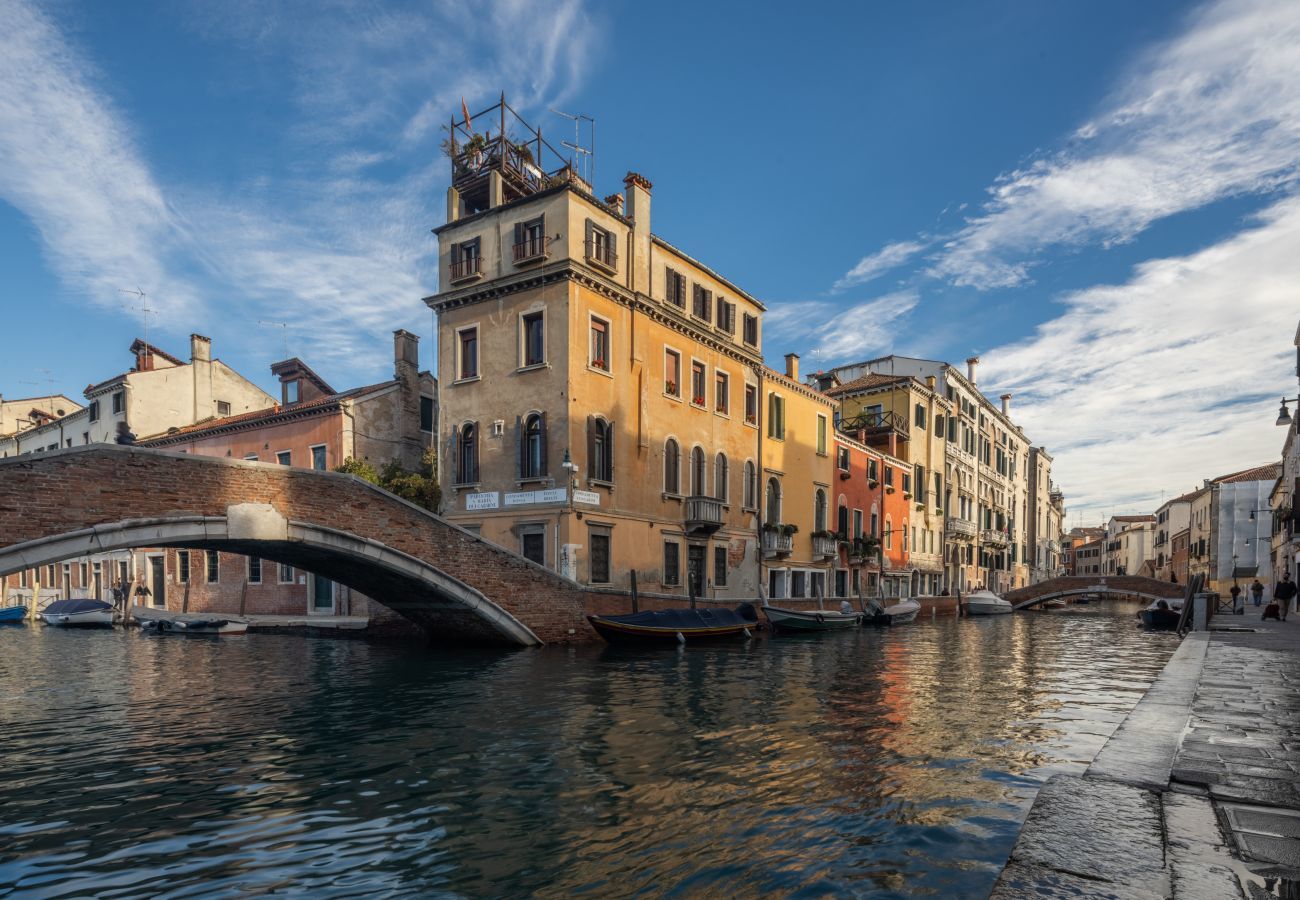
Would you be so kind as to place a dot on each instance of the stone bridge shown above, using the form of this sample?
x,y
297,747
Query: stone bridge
x,y
1104,585
453,584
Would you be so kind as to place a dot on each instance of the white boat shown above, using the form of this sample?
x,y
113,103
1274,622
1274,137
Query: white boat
x,y
901,613
78,612
165,625
986,603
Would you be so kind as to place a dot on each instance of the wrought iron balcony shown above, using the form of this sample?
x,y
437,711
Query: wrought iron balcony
x,y
825,547
993,538
532,249
466,269
603,255
777,544
703,514
957,527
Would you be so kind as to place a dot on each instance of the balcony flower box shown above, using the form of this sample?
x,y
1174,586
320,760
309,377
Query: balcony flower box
x,y
698,401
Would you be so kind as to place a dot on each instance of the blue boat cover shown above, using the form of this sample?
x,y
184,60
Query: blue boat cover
x,y
70,607
686,619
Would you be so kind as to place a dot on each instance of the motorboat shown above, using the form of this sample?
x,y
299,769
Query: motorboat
x,y
78,612
196,627
13,613
677,626
1163,617
783,619
1052,604
903,612
986,603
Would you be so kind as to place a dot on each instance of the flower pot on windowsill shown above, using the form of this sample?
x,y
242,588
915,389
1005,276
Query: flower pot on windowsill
x,y
873,482
670,387
751,420
889,489
698,401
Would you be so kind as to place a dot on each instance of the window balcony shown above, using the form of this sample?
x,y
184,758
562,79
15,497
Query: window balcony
x,y
603,256
959,528
776,543
703,515
465,270
825,547
531,250
991,538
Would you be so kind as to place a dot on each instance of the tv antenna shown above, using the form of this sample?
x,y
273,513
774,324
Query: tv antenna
x,y
576,146
143,308
284,332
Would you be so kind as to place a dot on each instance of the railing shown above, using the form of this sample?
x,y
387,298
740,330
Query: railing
x,y
532,249
703,513
826,547
874,421
958,527
603,255
467,268
777,544
994,538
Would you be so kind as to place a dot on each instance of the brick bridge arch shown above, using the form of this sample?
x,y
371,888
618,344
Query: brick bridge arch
x,y
1106,585
452,583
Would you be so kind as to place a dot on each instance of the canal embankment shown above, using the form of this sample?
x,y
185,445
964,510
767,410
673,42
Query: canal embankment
x,y
1197,793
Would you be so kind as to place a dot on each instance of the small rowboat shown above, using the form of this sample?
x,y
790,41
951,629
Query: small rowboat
x,y
196,627
676,626
784,619
1162,617
13,613
78,612
903,612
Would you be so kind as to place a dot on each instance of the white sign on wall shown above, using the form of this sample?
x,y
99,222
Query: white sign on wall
x,y
523,498
487,500
589,497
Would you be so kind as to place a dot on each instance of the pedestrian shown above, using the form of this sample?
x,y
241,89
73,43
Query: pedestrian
x,y
1284,593
124,435
118,594
1257,592
1236,596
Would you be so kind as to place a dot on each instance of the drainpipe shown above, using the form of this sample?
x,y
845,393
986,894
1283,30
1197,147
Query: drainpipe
x,y
760,488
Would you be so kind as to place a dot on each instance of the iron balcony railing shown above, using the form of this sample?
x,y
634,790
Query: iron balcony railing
x,y
703,514
532,249
874,421
466,268
603,255
777,544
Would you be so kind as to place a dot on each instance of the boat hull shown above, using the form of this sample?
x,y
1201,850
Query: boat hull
x,y
810,620
676,626
93,619
198,627
13,614
986,603
1162,619
902,613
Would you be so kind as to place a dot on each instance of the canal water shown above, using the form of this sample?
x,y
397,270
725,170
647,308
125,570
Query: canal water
x,y
883,763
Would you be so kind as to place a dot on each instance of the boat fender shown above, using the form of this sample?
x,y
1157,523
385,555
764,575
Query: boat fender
x,y
821,620
681,638
745,632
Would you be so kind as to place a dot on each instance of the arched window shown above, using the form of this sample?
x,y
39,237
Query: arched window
x,y
875,521
600,449
773,502
750,486
672,467
467,454
819,511
889,532
842,519
699,473
904,535
532,447
720,476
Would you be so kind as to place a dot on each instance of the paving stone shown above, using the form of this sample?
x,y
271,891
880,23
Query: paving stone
x,y
1021,880
1200,862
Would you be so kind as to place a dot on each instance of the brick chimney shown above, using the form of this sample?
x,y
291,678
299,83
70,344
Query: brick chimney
x,y
406,369
1006,404
615,202
638,210
200,348
971,364
792,366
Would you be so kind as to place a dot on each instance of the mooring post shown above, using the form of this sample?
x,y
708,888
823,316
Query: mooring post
x,y
634,597
690,590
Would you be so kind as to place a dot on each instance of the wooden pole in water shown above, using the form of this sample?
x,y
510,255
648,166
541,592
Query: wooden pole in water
x,y
690,589
634,597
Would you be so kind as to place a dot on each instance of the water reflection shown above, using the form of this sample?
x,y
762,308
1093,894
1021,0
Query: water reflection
x,y
891,763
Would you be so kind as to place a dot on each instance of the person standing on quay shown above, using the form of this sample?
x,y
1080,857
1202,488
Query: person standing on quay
x,y
1284,593
1257,593
1236,597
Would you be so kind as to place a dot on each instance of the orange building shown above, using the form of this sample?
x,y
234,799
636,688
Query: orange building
x,y
871,521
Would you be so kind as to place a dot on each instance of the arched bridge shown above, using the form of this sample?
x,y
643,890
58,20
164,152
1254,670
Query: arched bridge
x,y
455,585
1105,585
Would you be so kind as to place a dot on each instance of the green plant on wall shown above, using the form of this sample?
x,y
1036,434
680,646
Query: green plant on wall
x,y
419,487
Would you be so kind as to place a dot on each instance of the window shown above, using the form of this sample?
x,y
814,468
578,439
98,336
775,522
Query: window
x,y
726,316
675,288
938,427
530,240
223,408
467,353
773,502
721,392
318,457
841,583
532,546
919,482
875,523
599,557
798,582
254,570
601,247
750,486
751,330
907,482
776,416
284,457
534,339
842,521
183,566
751,404
819,510
284,574
672,563
857,524
889,476
920,415
699,477
250,457
889,531
212,566
821,435
426,414
532,458
94,411
599,344
467,454
842,459
600,449
290,391
672,373
466,260
119,404
698,382
721,471
672,467
702,308
719,566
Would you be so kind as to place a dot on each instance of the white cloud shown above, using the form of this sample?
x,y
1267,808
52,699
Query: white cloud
x,y
1214,113
1166,379
888,257
834,334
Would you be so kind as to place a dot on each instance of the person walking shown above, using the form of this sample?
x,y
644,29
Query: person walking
x,y
1284,593
1257,593
1237,609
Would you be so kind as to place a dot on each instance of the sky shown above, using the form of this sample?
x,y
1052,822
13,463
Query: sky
x,y
1101,200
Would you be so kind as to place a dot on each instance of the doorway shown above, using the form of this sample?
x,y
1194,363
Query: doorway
x,y
157,581
695,568
322,596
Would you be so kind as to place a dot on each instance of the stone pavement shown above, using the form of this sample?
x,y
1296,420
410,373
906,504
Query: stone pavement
x,y
1197,794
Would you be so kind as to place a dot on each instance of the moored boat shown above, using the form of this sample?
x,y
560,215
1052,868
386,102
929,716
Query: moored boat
x,y
986,603
785,619
676,626
13,613
197,627
1162,614
78,612
903,612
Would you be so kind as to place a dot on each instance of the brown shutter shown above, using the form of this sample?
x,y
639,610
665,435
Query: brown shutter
x,y
544,470
590,246
519,448
455,456
592,424
519,233
609,450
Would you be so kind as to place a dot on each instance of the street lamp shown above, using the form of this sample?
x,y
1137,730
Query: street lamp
x,y
1283,415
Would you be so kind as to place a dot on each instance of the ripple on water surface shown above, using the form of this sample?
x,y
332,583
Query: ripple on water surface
x,y
889,763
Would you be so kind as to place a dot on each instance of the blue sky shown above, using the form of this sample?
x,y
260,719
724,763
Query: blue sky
x,y
1100,199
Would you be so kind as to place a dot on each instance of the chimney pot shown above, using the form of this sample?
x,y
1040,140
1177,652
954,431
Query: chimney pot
x,y
200,348
971,365
1006,404
792,366
615,202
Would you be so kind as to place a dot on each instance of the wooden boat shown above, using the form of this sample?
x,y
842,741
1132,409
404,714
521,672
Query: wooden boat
x,y
1158,617
676,626
13,613
196,627
1052,604
811,619
903,612
78,612
986,603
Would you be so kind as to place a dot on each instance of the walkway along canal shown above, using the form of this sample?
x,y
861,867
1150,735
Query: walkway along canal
x,y
892,763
